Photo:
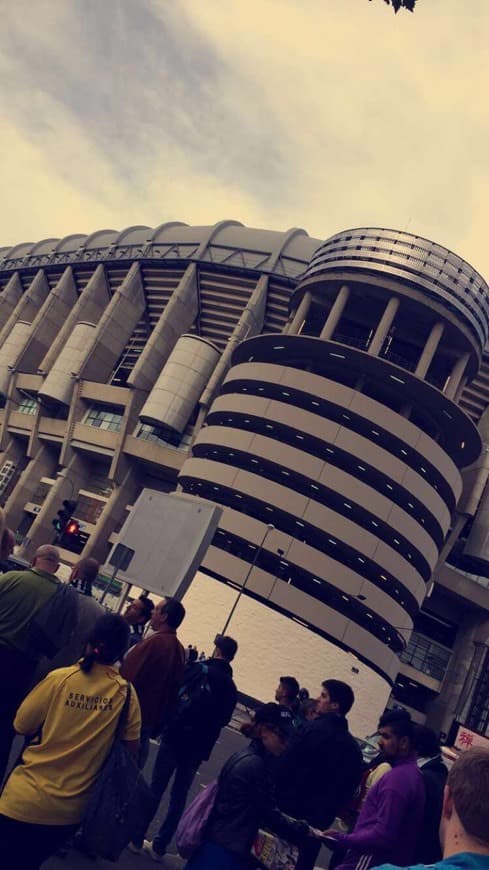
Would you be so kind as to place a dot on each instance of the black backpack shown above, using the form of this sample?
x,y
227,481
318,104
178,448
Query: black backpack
x,y
193,696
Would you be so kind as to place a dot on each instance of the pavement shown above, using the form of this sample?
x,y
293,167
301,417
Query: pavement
x,y
230,741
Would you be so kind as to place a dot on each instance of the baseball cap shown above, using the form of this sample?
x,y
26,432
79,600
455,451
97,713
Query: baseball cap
x,y
276,717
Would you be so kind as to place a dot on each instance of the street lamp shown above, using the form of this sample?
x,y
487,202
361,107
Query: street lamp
x,y
270,528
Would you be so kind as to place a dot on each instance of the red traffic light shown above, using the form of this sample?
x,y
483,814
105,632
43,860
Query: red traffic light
x,y
72,528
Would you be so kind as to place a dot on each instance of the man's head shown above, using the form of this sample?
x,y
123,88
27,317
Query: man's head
x,y
86,570
7,544
46,558
396,734
226,648
464,823
287,691
335,697
426,743
139,611
167,615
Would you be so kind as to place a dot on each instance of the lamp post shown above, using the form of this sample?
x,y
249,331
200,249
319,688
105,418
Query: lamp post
x,y
270,528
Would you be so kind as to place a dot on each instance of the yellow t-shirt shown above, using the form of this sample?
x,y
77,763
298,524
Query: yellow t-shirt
x,y
78,714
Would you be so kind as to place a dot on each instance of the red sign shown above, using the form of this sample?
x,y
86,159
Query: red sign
x,y
466,739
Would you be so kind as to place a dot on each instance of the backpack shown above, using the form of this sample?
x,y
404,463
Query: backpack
x,y
193,695
120,802
191,828
52,626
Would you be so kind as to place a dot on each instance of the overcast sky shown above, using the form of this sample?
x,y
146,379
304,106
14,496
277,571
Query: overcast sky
x,y
324,114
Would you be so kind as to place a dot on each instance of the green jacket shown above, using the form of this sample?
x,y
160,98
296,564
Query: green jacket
x,y
22,593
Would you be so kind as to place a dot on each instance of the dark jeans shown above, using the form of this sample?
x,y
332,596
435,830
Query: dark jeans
x,y
15,676
166,764
26,846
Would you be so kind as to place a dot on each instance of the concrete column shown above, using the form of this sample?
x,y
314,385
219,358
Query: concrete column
x,y
176,319
301,314
68,482
249,324
89,308
335,313
115,327
442,711
385,324
121,463
458,522
456,376
478,539
98,544
42,465
9,298
48,322
429,349
463,384
28,305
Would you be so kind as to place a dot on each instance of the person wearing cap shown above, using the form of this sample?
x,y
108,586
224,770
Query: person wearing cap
x,y
245,797
190,736
286,694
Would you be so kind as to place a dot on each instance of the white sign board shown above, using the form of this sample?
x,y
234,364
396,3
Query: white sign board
x,y
170,534
466,739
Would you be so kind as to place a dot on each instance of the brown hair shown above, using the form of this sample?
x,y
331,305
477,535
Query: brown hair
x,y
468,781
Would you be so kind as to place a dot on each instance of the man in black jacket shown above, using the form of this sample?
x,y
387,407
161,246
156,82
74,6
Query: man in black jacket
x,y
323,767
206,703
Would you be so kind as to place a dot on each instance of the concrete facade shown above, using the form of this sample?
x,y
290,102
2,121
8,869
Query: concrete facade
x,y
335,395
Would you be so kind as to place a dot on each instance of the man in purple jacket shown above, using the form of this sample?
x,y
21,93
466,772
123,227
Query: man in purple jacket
x,y
390,819
464,828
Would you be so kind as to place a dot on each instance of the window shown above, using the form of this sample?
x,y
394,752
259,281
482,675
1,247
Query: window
x,y
104,417
41,493
28,405
426,656
6,474
89,509
99,483
151,433
166,437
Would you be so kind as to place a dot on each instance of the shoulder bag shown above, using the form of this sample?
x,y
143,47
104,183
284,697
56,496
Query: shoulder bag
x,y
120,803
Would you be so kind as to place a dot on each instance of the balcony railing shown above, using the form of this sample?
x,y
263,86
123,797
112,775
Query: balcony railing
x,y
426,656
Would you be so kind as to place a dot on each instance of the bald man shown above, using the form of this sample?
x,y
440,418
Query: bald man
x,y
22,594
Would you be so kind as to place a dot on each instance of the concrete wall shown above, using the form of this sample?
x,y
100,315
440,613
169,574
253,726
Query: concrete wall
x,y
271,645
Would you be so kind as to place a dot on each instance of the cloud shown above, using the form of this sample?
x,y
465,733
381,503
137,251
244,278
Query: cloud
x,y
318,113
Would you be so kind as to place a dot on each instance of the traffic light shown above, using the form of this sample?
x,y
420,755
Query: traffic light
x,y
64,517
72,528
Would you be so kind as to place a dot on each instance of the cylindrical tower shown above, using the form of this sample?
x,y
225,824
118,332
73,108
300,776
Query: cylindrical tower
x,y
180,384
344,433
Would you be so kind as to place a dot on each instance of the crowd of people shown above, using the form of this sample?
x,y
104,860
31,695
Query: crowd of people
x,y
301,776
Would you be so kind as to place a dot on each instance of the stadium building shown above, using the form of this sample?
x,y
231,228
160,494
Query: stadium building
x,y
331,396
